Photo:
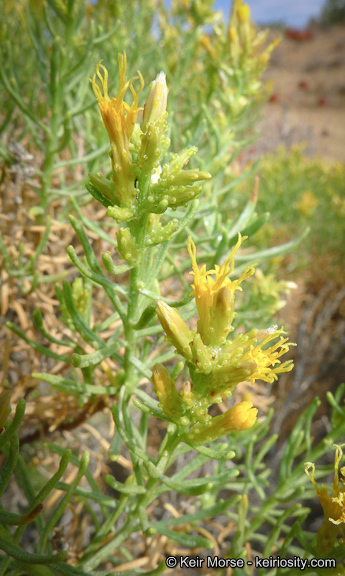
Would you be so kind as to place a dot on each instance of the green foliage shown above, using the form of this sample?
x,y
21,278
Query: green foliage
x,y
302,193
333,12
107,342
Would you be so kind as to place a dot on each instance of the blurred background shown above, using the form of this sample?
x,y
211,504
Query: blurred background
x,y
292,13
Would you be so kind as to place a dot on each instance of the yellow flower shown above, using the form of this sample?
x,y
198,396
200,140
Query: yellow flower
x,y
119,119
206,43
307,204
215,296
243,13
242,359
333,505
239,417
265,358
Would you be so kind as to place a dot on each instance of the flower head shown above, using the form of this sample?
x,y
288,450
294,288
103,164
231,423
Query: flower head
x,y
267,360
119,119
239,417
333,505
215,296
218,364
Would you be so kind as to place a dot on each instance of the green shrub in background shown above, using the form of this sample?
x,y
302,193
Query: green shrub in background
x,y
133,262
300,192
333,12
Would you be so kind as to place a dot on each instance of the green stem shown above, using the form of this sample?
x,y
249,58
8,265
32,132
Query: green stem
x,y
162,465
121,536
132,522
136,280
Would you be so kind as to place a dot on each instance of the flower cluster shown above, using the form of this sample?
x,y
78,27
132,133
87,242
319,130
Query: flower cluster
x,y
244,48
217,364
333,505
140,185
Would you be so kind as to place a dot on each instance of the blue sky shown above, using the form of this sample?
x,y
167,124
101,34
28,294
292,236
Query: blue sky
x,y
291,12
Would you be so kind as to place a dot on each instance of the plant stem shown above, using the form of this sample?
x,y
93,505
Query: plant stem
x,y
136,281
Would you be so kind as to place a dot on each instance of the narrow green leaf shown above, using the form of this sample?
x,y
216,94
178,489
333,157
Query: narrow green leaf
x,y
41,349
86,360
124,488
184,539
73,387
22,556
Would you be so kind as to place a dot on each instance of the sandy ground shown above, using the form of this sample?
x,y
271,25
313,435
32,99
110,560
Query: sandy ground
x,y
308,95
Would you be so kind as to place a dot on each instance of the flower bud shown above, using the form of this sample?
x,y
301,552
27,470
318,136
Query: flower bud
x,y
81,293
156,103
126,246
165,388
239,417
153,145
175,328
243,13
105,186
119,120
120,214
222,380
234,43
221,314
187,177
202,355
161,233
333,505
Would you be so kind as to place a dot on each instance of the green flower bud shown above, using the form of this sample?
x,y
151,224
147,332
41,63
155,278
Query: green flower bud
x,y
105,186
135,141
175,183
179,161
126,246
165,389
222,380
202,356
161,233
156,103
239,417
153,145
120,214
175,328
180,195
221,314
186,177
81,294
